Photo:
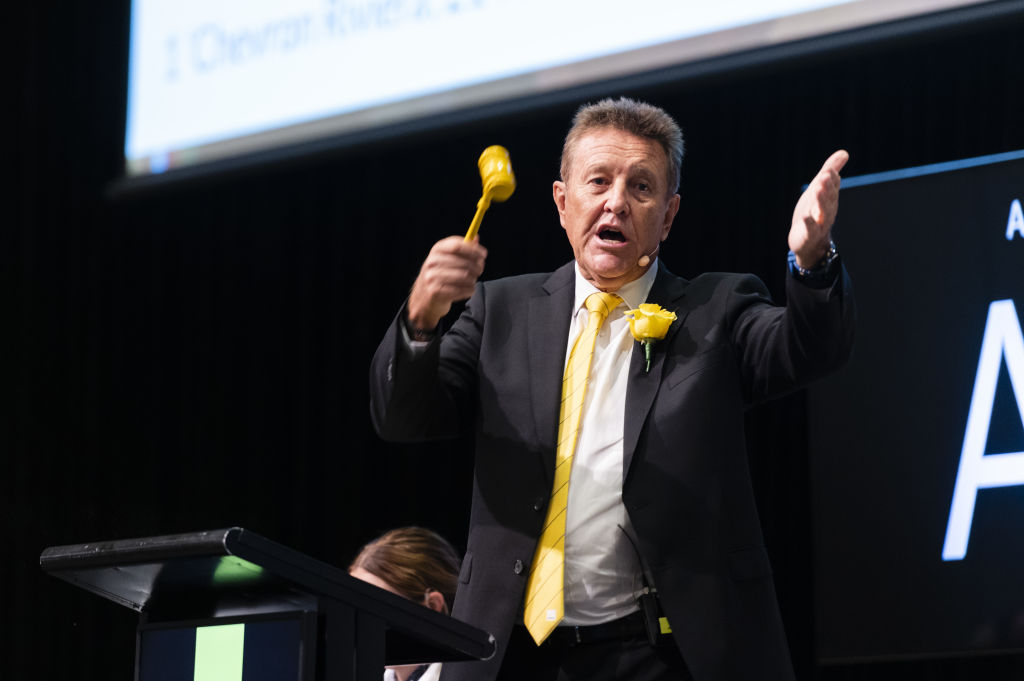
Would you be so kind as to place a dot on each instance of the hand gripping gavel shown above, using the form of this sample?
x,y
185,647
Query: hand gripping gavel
x,y
498,180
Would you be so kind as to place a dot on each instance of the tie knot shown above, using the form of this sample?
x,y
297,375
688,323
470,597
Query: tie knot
x,y
602,303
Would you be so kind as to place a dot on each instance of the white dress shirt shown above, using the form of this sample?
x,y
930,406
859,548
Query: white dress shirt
x,y
603,576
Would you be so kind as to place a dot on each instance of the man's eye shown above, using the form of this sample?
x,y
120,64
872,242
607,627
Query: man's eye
x,y
598,180
643,186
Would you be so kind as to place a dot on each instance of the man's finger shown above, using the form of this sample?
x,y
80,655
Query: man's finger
x,y
835,162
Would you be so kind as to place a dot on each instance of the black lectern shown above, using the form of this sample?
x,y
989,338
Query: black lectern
x,y
231,605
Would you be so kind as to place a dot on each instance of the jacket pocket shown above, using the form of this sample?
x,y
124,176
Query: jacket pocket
x,y
710,358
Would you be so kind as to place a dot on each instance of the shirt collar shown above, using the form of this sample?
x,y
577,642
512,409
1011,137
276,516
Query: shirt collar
x,y
634,293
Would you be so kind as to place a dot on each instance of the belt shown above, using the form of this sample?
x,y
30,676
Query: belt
x,y
630,626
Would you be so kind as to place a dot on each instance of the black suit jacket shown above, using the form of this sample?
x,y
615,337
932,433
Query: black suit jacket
x,y
686,483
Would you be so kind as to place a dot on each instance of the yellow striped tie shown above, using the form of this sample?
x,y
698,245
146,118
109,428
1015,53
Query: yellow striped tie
x,y
544,606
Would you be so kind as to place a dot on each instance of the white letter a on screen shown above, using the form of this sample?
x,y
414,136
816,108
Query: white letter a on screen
x,y
1003,338
1015,223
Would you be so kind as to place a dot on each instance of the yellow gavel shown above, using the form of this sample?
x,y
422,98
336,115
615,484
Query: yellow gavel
x,y
499,183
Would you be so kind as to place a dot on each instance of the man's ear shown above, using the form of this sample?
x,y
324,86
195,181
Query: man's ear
x,y
670,215
558,193
435,601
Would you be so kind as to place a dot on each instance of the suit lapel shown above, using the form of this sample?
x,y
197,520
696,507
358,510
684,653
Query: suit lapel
x,y
549,312
667,291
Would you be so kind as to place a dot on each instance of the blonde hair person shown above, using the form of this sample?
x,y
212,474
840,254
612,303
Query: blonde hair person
x,y
419,565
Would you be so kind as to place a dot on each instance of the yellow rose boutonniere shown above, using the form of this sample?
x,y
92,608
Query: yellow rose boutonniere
x,y
649,323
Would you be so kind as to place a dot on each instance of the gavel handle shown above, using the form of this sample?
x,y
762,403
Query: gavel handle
x,y
481,207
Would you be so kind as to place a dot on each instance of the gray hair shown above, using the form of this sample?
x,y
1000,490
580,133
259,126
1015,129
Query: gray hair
x,y
637,118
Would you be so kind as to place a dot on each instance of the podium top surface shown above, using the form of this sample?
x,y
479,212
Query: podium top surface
x,y
179,575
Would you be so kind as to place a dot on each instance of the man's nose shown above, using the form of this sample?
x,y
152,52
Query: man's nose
x,y
617,199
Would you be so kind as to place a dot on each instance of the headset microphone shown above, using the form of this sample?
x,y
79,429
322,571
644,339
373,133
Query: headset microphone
x,y
645,260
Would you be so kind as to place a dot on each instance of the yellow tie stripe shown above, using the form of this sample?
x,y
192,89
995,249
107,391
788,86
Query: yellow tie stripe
x,y
544,607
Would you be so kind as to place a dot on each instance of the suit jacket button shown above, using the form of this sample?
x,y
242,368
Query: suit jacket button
x,y
538,504
518,569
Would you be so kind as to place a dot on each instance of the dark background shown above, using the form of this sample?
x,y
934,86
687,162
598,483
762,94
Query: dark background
x,y
196,356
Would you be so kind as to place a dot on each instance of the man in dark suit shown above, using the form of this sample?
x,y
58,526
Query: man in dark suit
x,y
665,572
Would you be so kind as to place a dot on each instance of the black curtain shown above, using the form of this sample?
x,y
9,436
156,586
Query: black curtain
x,y
196,356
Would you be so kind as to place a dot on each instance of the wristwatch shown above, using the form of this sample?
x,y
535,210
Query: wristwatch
x,y
821,273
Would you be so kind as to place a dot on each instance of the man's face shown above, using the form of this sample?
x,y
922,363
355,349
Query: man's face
x,y
615,205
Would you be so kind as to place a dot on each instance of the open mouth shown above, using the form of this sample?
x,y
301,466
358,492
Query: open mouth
x,y
609,234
